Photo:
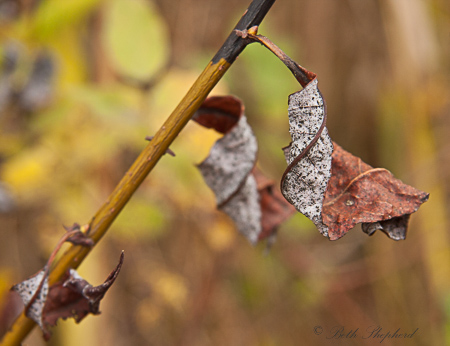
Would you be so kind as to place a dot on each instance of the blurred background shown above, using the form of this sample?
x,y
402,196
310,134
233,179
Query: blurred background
x,y
82,82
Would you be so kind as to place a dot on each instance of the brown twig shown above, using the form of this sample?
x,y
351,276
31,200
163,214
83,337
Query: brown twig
x,y
301,74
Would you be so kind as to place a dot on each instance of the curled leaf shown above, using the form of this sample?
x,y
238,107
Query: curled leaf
x,y
233,156
229,169
335,189
75,297
358,193
71,297
309,155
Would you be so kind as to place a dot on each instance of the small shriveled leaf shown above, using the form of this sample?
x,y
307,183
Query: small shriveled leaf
x,y
394,228
309,155
78,237
228,170
358,193
71,297
33,293
75,297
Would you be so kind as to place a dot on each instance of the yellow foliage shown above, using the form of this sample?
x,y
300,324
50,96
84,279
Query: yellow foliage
x,y
221,234
69,56
170,287
29,171
148,314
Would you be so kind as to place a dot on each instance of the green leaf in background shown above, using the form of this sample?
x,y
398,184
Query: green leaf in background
x,y
135,38
53,15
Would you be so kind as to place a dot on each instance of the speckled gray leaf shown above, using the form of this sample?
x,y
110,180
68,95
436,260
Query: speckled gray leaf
x,y
33,293
227,168
244,209
241,191
231,158
309,155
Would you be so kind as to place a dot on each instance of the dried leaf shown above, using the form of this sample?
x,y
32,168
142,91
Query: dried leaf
x,y
78,237
394,228
228,170
275,209
233,156
33,293
71,297
335,189
354,194
309,155
75,297
358,193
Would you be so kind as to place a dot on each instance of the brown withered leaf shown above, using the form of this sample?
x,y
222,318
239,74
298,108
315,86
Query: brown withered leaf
x,y
71,297
75,297
229,170
275,209
358,193
34,290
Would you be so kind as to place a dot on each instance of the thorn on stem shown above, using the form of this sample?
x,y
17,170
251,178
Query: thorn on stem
x,y
168,151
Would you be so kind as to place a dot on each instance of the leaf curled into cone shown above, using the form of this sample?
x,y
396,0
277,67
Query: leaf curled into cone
x,y
309,155
230,172
358,193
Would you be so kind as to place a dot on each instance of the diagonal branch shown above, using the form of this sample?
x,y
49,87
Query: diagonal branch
x,y
149,157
